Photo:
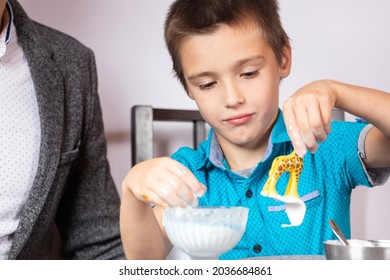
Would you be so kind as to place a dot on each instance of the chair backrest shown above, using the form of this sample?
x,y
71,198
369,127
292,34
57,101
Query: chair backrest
x,y
338,115
142,136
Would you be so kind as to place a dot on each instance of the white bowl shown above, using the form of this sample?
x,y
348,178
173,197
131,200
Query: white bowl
x,y
205,233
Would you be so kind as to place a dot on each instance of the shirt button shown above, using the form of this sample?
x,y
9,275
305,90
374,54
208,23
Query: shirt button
x,y
249,193
257,248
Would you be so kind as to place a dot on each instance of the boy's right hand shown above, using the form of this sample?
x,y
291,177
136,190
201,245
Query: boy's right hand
x,y
308,114
164,182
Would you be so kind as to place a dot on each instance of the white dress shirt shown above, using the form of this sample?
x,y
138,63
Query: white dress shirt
x,y
20,134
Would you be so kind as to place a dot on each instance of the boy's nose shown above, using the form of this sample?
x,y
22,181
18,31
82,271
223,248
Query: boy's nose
x,y
233,96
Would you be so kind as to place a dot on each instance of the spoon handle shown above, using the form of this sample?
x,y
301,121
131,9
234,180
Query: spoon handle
x,y
338,232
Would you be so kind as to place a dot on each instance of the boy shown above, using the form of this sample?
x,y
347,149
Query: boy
x,y
230,57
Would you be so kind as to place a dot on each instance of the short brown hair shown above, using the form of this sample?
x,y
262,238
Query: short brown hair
x,y
189,17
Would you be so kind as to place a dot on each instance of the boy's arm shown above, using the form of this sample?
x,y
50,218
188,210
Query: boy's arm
x,y
371,105
308,114
161,181
141,229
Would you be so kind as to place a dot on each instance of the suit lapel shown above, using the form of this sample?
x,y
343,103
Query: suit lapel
x,y
49,87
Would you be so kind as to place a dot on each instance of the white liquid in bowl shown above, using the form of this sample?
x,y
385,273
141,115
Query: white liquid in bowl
x,y
203,240
205,233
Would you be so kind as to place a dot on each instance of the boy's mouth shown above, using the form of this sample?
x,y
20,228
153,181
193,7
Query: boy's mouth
x,y
239,119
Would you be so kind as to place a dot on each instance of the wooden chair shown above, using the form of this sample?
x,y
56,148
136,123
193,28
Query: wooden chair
x,y
338,114
142,124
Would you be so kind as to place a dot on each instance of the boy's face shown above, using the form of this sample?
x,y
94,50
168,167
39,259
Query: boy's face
x,y
233,76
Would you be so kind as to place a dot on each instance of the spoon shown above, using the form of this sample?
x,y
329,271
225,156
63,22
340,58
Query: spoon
x,y
336,230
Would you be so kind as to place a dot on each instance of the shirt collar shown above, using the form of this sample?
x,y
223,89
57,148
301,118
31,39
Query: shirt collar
x,y
216,154
11,19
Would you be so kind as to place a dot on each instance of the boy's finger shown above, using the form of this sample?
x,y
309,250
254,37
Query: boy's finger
x,y
292,131
152,198
304,128
188,178
172,196
316,122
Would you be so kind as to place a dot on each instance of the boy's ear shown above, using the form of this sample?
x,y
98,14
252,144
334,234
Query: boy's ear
x,y
285,66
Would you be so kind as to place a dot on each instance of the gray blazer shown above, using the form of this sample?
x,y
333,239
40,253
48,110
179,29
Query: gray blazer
x,y
73,188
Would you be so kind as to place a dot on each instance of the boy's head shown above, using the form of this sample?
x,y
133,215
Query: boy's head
x,y
189,17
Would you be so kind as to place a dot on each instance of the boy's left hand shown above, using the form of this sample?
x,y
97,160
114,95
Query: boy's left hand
x,y
308,114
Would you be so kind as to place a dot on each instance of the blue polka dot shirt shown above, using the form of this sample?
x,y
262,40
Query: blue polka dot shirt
x,y
325,185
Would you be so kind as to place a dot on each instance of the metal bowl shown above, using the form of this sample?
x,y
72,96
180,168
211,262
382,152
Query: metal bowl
x,y
357,250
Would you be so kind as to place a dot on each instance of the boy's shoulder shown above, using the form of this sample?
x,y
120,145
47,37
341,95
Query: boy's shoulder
x,y
346,128
343,139
190,157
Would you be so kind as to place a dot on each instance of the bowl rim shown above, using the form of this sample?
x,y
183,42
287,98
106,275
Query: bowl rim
x,y
207,208
378,242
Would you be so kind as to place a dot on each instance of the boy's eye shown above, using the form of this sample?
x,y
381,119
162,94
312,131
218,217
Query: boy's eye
x,y
207,86
251,74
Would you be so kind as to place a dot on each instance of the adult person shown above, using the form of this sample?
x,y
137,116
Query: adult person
x,y
53,166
